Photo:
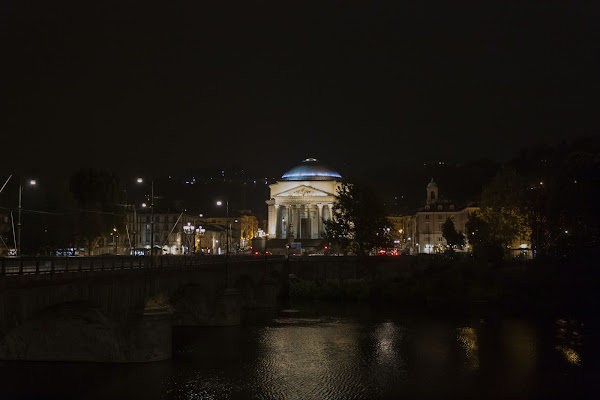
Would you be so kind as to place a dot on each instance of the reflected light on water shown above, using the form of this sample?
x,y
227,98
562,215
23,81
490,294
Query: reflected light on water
x,y
467,338
569,340
386,335
296,355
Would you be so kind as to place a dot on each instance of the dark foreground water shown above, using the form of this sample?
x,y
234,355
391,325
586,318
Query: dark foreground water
x,y
344,352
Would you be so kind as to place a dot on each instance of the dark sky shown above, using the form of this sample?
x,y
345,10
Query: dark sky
x,y
361,85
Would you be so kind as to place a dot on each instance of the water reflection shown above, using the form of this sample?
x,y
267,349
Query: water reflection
x,y
569,340
346,357
467,338
309,359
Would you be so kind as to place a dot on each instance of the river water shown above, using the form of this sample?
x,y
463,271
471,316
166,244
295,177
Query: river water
x,y
344,352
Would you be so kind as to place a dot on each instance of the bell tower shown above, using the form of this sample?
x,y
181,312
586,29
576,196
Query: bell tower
x,y
432,192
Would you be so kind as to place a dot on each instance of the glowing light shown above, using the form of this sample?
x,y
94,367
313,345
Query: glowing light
x,y
467,337
140,180
143,204
219,203
32,182
311,174
569,354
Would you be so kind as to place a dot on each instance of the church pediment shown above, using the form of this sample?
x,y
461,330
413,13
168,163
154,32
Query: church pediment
x,y
303,190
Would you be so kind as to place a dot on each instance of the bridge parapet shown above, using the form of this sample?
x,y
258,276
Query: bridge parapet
x,y
120,313
43,265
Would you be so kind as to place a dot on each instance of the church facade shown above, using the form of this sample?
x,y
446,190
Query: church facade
x,y
301,200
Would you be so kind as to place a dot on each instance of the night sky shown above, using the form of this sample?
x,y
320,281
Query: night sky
x,y
262,85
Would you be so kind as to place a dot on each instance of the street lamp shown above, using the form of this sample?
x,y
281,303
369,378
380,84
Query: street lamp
x,y
220,203
32,182
189,230
140,180
115,235
200,233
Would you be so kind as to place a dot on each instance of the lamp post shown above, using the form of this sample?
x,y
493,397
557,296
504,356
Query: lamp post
x,y
140,180
190,231
200,233
32,182
114,234
220,203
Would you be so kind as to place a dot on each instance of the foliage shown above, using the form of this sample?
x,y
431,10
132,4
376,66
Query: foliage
x,y
97,194
485,245
562,187
452,236
359,223
503,209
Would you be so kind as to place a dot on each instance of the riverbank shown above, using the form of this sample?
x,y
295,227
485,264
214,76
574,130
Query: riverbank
x,y
458,283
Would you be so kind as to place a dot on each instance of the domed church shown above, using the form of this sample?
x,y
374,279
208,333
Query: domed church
x,y
301,200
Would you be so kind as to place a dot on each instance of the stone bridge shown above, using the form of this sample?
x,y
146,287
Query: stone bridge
x,y
119,309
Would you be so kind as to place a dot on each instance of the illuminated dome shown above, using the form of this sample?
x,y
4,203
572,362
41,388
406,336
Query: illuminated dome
x,y
432,184
311,170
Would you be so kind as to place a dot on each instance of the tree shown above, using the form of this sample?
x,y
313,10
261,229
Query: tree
x,y
452,236
359,223
96,193
504,210
484,244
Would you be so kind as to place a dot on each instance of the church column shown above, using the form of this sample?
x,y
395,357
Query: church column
x,y
308,223
330,206
283,221
272,220
319,220
297,219
277,229
293,220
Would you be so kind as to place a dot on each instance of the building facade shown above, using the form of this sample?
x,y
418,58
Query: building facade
x,y
170,232
425,225
301,200
242,229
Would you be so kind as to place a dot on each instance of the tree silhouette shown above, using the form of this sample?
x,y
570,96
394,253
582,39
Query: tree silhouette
x,y
96,194
359,220
452,236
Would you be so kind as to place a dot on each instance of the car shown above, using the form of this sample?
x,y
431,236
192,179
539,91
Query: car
x,y
261,253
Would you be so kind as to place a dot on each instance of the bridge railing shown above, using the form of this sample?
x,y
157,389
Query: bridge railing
x,y
26,265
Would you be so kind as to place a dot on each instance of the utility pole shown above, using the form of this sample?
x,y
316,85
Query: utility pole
x,y
31,182
19,219
152,224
